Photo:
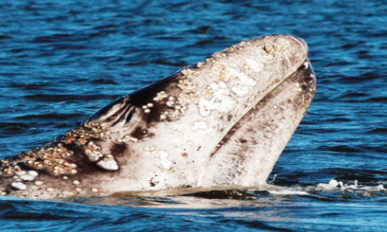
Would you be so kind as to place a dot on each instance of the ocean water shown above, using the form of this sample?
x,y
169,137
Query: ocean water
x,y
60,61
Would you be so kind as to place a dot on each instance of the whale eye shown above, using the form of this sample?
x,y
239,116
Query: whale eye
x,y
141,133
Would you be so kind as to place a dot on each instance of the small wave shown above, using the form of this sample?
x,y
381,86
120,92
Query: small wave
x,y
332,190
339,148
335,186
378,99
67,97
5,37
104,81
382,131
51,116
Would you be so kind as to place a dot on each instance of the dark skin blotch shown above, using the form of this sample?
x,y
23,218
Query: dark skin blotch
x,y
152,184
229,117
185,154
78,156
308,79
146,95
242,140
118,149
250,130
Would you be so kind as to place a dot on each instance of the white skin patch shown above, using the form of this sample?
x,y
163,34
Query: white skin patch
x,y
220,100
244,83
164,161
199,125
217,86
240,90
243,78
254,65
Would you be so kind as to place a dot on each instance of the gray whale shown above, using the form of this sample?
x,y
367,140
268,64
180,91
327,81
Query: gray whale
x,y
220,124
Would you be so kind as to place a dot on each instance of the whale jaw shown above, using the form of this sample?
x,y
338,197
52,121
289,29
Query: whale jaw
x,y
219,124
248,153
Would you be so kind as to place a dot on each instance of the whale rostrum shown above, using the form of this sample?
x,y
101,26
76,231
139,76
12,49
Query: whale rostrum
x,y
219,124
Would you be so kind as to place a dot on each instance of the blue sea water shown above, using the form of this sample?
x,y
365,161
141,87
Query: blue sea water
x,y
60,61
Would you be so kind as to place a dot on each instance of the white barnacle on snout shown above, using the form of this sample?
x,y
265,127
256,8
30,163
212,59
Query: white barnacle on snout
x,y
164,161
199,125
171,101
186,84
298,88
27,176
108,163
160,96
19,186
93,155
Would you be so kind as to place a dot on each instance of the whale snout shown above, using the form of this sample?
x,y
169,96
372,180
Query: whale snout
x,y
300,41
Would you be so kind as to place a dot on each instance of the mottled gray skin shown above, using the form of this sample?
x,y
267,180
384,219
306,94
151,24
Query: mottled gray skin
x,y
220,124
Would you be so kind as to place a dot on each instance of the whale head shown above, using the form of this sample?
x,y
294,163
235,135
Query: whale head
x,y
221,123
